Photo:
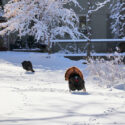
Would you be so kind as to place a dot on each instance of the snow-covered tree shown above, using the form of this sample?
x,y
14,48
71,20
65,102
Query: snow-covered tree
x,y
118,18
43,19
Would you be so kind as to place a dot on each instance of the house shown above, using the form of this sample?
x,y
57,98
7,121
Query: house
x,y
100,22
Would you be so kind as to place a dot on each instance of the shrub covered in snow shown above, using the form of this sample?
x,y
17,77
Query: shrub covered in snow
x,y
107,73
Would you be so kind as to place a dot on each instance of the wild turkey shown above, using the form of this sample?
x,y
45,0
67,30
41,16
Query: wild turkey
x,y
75,79
27,65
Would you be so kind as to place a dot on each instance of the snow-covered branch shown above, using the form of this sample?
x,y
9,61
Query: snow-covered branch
x,y
43,19
99,5
118,18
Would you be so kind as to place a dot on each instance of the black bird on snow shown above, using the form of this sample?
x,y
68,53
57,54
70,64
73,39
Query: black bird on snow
x,y
27,65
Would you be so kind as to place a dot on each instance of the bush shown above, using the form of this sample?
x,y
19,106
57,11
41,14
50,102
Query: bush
x,y
107,73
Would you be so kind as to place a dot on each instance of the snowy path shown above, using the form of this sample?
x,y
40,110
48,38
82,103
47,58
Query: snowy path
x,y
43,98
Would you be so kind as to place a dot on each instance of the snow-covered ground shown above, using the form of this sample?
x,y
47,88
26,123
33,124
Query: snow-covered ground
x,y
42,98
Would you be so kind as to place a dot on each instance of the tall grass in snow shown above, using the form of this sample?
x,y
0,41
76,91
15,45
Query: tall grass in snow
x,y
107,73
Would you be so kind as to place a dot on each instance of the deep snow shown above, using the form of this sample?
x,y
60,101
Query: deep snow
x,y
42,98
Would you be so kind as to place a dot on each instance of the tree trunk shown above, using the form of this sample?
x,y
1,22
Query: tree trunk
x,y
88,19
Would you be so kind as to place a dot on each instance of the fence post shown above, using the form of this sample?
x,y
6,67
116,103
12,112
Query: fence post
x,y
88,48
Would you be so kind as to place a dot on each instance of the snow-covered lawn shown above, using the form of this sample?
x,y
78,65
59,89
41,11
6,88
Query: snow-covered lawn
x,y
42,98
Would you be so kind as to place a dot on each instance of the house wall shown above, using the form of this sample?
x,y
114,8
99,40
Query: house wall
x,y
99,19
100,24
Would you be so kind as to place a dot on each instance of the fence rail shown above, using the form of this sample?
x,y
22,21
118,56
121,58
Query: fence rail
x,y
81,45
92,40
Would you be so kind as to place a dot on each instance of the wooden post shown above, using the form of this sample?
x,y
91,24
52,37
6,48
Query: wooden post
x,y
89,48
8,41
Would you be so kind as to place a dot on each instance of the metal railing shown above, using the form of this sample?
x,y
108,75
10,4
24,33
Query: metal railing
x,y
99,44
